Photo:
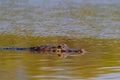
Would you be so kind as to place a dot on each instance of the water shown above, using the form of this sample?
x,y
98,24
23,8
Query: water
x,y
77,18
92,25
101,63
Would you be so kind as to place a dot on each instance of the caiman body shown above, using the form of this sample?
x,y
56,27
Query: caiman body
x,y
61,50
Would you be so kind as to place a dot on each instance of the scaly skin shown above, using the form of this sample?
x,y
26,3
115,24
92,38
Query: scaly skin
x,y
61,50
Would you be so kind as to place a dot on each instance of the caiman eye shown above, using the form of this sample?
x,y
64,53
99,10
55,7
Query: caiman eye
x,y
53,51
59,47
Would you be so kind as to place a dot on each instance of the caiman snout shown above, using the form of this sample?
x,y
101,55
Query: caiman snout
x,y
82,51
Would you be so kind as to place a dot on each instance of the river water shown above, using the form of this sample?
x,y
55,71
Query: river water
x,y
90,24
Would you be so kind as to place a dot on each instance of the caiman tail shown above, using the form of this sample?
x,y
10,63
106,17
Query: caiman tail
x,y
13,48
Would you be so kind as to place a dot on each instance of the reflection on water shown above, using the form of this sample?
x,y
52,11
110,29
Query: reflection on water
x,y
79,23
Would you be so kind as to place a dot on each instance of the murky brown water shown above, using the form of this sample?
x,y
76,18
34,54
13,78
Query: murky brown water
x,y
101,63
92,25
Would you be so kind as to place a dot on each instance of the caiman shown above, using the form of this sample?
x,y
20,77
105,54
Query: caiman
x,y
61,50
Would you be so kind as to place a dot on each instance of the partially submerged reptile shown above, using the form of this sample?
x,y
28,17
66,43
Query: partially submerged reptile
x,y
61,50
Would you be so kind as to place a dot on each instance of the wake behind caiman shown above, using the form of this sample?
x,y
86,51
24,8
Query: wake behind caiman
x,y
61,50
